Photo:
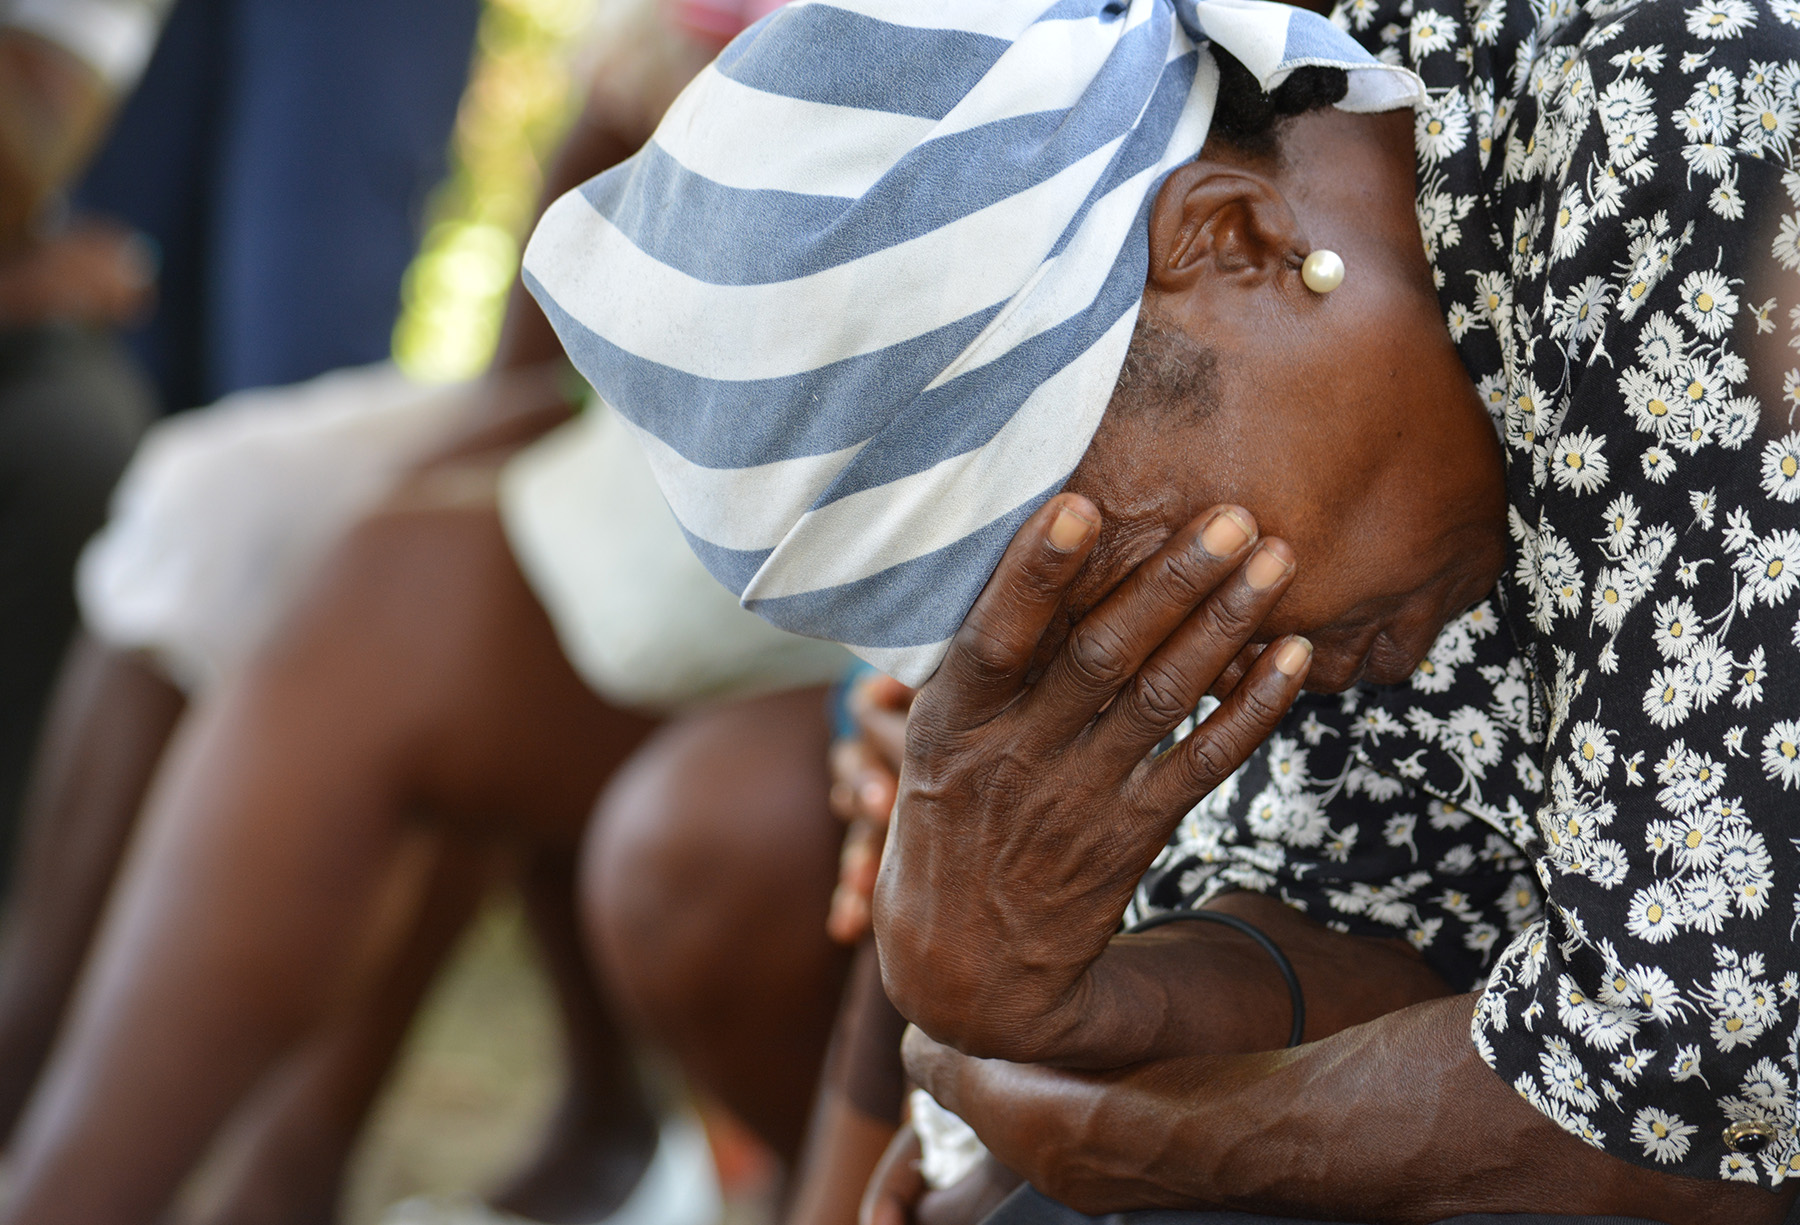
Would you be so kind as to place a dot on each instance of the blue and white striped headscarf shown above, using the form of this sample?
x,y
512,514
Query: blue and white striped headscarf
x,y
866,293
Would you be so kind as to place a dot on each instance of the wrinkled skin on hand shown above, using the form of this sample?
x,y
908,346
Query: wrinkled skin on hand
x,y
1048,785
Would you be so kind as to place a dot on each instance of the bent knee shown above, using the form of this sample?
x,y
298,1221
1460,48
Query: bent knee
x,y
712,849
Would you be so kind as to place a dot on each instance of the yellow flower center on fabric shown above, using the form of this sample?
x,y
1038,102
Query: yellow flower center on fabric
x,y
1694,839
1562,218
1658,408
1703,301
1749,890
1775,568
1668,695
1610,595
1734,1024
1575,997
1649,1000
1675,629
1789,465
1637,289
1476,740
1587,751
1750,677
1768,121
1696,389
1574,459
1428,668
1788,750
1435,126
1655,913
1661,1129
1427,31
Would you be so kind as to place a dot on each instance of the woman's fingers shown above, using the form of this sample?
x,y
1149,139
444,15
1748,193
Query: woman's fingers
x,y
858,865
862,782
883,727
1172,681
991,653
897,1185
1181,777
1106,649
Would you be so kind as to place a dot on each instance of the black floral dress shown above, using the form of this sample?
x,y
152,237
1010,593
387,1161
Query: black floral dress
x,y
1586,804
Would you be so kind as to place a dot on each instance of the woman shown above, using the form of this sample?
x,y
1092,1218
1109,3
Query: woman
x,y
1629,998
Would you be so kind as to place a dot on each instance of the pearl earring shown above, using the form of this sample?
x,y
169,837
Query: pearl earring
x,y
1323,271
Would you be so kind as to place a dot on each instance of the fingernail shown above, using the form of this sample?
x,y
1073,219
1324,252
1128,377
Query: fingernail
x,y
1226,534
1069,530
1291,659
1265,570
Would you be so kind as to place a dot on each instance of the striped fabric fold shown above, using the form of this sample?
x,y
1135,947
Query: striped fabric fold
x,y
865,294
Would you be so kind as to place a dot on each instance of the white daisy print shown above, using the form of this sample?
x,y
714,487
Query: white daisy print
x,y
1708,302
1781,469
1661,1134
1579,462
1781,753
1669,697
1431,31
1654,915
1676,627
1441,125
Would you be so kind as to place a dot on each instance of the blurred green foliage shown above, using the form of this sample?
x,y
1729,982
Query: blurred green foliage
x,y
521,97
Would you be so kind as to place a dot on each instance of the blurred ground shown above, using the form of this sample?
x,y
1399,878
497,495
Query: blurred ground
x,y
480,1075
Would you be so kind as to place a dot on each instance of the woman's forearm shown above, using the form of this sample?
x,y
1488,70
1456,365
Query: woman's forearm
x,y
1400,1120
1397,1120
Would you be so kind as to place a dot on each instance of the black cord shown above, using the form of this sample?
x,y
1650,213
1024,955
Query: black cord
x,y
1255,933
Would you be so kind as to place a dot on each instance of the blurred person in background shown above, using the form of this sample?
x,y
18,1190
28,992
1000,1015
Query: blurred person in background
x,y
270,162
71,404
339,796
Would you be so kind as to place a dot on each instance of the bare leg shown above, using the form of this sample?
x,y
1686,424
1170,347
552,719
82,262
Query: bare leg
x,y
602,1135
285,1153
285,853
706,881
110,718
859,1103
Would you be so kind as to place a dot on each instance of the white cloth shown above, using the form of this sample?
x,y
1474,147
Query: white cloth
x,y
225,511
949,1149
637,614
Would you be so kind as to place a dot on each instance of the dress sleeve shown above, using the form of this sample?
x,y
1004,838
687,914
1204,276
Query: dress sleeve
x,y
1652,1010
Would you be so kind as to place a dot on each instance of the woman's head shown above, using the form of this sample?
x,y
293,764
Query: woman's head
x,y
867,292
1344,422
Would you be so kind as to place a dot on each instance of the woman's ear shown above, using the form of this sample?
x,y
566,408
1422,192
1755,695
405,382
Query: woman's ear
x,y
1216,219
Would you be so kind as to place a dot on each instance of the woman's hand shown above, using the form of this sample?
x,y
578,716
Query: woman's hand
x,y
1096,1141
1028,811
865,775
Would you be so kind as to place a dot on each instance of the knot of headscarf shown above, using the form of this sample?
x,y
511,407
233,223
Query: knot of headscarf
x,y
865,294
